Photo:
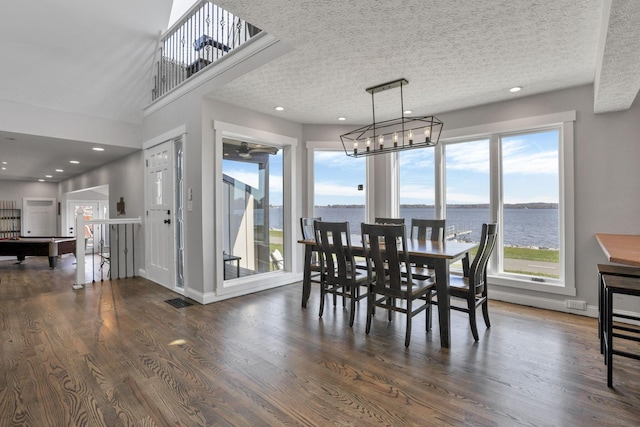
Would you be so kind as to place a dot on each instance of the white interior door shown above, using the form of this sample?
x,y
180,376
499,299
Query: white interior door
x,y
39,217
160,220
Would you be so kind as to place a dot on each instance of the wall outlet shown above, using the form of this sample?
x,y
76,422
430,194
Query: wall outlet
x,y
577,305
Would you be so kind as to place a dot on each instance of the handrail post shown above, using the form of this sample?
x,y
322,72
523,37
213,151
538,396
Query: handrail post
x,y
80,274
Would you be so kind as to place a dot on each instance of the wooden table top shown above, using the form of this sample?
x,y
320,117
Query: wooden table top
x,y
446,249
621,248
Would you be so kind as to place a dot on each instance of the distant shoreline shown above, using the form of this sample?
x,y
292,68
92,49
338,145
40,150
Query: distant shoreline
x,y
536,205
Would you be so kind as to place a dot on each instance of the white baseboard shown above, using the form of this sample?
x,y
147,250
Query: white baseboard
x,y
540,302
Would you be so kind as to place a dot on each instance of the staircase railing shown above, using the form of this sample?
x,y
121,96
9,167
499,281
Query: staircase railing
x,y
113,249
205,34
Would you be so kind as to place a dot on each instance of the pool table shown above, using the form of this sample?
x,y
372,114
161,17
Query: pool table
x,y
38,246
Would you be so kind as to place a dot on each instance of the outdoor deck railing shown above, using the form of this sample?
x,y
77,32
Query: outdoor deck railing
x,y
205,34
113,249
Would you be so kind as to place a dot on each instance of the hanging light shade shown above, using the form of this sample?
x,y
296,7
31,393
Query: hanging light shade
x,y
402,133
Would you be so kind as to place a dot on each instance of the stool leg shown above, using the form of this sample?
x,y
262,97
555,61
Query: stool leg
x,y
609,329
600,312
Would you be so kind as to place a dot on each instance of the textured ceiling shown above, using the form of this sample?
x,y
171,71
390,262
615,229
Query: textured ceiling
x,y
454,54
95,58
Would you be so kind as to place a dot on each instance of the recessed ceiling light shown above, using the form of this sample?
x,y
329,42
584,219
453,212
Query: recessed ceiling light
x,y
98,149
4,169
4,163
342,119
408,111
279,108
41,180
59,170
48,176
75,162
515,89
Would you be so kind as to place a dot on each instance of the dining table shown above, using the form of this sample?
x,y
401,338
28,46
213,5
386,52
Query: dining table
x,y
439,255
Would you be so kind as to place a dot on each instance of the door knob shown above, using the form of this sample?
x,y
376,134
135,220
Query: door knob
x,y
167,221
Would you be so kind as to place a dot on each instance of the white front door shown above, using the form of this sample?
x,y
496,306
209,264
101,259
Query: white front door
x,y
39,217
160,219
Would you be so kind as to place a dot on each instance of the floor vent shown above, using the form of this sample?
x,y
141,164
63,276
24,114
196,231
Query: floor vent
x,y
178,302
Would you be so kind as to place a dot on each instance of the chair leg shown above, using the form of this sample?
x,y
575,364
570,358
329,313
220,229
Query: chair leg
x,y
352,311
390,302
370,306
429,309
485,312
471,304
323,293
407,337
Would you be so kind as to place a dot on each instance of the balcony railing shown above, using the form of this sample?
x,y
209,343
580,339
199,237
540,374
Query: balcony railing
x,y
205,34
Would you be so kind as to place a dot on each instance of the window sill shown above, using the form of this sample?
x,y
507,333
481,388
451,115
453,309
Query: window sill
x,y
526,283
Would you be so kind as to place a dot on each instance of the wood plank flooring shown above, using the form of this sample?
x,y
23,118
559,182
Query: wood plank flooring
x,y
116,354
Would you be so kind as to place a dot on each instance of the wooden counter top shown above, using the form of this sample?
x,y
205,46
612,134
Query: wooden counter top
x,y
621,248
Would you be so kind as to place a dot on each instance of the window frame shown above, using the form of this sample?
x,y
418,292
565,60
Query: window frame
x,y
564,122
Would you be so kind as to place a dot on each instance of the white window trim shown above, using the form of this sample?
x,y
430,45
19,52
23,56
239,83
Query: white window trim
x,y
312,147
254,283
565,120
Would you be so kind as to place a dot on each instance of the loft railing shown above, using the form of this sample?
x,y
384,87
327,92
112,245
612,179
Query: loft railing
x,y
113,249
205,34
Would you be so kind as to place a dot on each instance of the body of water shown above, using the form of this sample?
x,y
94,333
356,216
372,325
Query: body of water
x,y
522,227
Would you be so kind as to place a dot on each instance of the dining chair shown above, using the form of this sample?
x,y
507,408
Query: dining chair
x,y
473,288
306,226
338,273
384,247
426,229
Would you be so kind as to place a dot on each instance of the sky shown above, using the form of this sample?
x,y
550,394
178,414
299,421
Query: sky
x,y
530,168
178,9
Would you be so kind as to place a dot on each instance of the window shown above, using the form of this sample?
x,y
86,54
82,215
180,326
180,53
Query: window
x,y
467,189
339,188
417,184
530,177
518,173
253,214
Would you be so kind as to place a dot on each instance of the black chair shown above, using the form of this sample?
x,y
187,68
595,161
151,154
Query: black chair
x,y
627,286
426,229
338,274
384,246
473,288
306,226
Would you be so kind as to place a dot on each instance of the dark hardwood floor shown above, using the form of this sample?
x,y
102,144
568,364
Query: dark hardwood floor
x,y
116,354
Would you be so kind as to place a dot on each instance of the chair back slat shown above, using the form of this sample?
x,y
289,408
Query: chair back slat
x,y
334,245
306,226
428,229
384,247
478,269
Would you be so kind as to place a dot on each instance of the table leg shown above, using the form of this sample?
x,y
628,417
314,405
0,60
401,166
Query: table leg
x,y
306,278
444,308
52,262
237,268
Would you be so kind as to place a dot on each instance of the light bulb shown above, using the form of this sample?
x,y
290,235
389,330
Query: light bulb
x,y
381,141
427,134
410,137
368,143
355,147
395,139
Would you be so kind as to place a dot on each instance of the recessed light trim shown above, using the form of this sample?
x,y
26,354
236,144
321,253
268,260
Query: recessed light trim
x,y
279,108
342,119
59,170
515,89
98,149
48,176
41,180
408,111
75,162
4,163
4,169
